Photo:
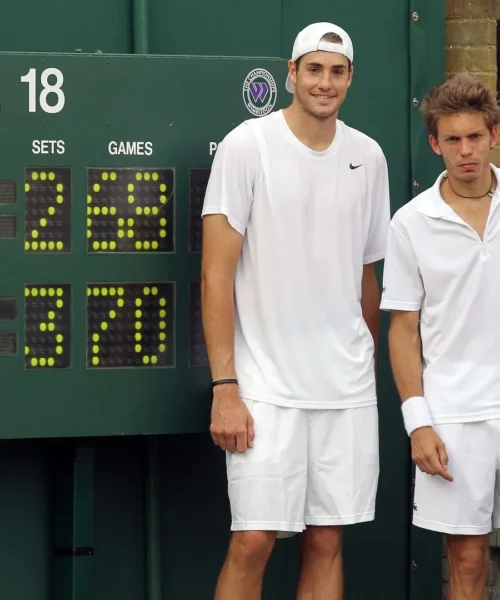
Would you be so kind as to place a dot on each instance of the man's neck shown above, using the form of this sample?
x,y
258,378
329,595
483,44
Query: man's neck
x,y
316,134
474,189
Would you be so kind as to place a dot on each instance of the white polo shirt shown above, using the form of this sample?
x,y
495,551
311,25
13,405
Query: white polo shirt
x,y
309,222
437,264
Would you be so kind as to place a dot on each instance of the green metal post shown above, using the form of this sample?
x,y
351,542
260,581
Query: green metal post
x,y
153,544
74,523
141,27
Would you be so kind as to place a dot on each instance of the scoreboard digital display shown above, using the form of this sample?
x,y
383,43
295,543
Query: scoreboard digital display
x,y
130,325
130,210
104,166
47,326
47,210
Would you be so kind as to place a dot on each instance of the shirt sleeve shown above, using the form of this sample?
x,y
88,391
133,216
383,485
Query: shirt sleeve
x,y
234,171
403,287
380,213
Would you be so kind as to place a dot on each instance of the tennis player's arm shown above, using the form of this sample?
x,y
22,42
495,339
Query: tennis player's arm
x,y
221,250
405,348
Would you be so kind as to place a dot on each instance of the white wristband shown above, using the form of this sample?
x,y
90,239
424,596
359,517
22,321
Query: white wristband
x,y
416,414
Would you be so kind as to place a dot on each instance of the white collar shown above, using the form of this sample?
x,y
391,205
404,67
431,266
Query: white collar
x,y
432,204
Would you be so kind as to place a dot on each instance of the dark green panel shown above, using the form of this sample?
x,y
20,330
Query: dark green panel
x,y
25,522
119,534
64,26
73,518
427,67
222,28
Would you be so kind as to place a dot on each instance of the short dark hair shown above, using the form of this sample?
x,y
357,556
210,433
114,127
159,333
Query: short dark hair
x,y
333,38
461,93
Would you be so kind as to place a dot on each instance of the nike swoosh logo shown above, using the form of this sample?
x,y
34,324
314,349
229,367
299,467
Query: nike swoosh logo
x,y
351,166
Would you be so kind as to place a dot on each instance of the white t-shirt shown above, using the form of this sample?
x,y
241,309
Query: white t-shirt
x,y
309,223
438,265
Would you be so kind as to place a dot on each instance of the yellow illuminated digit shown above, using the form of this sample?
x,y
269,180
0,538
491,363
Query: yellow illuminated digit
x,y
50,326
44,222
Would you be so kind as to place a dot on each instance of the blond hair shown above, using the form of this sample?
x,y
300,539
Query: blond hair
x,y
461,93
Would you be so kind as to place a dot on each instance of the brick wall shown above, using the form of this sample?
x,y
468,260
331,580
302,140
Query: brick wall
x,y
471,42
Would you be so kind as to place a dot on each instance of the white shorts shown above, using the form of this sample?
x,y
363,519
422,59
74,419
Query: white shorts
x,y
471,504
306,467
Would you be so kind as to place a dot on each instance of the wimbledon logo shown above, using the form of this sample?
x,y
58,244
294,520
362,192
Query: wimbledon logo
x,y
259,92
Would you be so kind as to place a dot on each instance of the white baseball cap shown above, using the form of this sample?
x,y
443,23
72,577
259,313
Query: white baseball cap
x,y
309,40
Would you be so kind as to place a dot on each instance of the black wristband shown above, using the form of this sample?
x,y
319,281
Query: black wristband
x,y
223,381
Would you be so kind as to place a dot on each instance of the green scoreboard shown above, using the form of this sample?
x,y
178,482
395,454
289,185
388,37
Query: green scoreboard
x,y
104,163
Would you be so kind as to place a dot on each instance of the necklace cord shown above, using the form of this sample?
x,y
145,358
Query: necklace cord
x,y
490,191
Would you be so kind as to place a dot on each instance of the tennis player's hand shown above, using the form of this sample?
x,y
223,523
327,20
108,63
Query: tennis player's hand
x,y
232,423
429,453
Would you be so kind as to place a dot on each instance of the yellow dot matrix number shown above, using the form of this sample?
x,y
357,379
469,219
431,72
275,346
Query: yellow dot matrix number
x,y
141,298
48,326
